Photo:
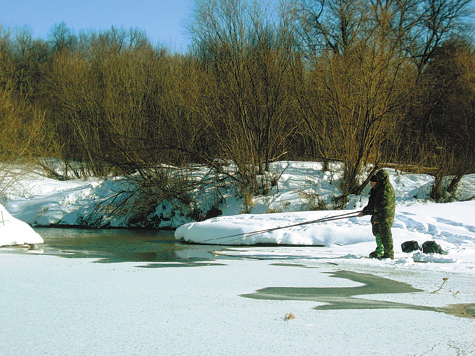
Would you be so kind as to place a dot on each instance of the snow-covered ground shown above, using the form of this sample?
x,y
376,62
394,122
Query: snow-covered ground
x,y
271,300
16,232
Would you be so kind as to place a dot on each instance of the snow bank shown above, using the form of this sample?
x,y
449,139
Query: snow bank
x,y
40,201
451,225
249,229
44,202
16,232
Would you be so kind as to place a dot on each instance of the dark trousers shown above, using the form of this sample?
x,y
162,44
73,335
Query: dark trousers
x,y
384,231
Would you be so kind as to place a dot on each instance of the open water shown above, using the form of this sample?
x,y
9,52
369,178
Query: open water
x,y
123,245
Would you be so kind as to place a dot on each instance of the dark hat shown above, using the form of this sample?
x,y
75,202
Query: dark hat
x,y
374,179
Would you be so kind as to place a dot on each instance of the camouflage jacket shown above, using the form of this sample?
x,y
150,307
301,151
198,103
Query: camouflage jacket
x,y
382,200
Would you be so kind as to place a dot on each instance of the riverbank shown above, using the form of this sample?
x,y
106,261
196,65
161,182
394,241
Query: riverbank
x,y
254,299
72,306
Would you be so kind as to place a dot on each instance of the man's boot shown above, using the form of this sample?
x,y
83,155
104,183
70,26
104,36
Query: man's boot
x,y
379,252
388,247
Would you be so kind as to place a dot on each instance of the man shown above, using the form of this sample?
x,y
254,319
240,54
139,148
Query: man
x,y
381,206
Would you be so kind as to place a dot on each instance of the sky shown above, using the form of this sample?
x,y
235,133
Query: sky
x,y
163,21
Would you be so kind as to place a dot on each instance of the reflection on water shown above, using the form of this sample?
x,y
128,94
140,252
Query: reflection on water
x,y
122,245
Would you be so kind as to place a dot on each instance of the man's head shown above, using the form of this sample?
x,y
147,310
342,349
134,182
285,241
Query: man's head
x,y
380,176
373,181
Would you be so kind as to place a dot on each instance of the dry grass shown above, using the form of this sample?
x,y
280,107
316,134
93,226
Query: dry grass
x,y
445,279
289,316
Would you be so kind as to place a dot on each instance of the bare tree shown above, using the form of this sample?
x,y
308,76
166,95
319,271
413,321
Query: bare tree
x,y
20,122
435,22
248,66
439,24
447,120
354,50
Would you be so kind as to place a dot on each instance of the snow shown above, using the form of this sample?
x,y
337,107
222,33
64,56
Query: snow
x,y
16,232
343,302
59,306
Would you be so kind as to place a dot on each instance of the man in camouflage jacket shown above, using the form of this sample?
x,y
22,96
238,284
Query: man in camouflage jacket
x,y
381,206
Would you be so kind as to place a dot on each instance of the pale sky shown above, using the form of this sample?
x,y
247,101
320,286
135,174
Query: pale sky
x,y
163,21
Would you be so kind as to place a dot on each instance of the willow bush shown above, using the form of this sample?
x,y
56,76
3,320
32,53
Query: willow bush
x,y
359,82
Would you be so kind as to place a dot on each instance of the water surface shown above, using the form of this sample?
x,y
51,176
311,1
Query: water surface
x,y
122,245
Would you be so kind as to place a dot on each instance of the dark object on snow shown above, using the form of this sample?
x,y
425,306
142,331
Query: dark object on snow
x,y
410,246
432,247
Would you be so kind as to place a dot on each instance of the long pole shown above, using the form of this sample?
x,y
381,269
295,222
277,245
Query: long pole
x,y
328,218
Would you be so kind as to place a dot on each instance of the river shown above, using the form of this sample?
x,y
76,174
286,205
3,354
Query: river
x,y
122,245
